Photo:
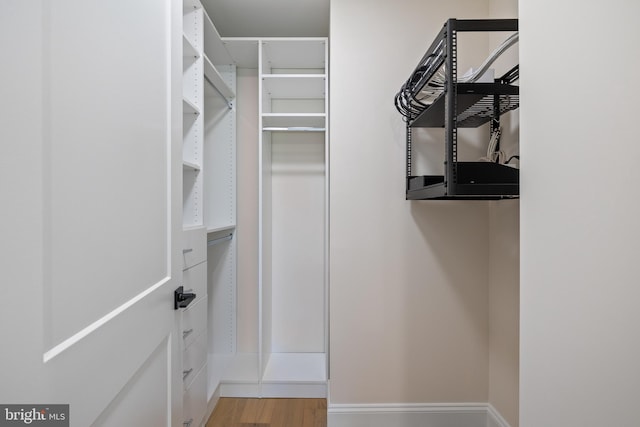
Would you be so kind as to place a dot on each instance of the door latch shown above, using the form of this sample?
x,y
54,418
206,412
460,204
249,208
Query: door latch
x,y
181,299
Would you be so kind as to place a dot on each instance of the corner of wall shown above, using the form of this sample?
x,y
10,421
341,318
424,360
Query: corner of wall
x,y
504,309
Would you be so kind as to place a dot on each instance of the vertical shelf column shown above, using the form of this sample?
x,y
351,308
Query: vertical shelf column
x,y
193,102
232,372
194,317
290,359
293,216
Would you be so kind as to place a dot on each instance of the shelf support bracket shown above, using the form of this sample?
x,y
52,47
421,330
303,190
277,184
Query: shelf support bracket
x,y
229,103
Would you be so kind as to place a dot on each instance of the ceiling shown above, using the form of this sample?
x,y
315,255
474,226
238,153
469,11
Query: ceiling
x,y
269,18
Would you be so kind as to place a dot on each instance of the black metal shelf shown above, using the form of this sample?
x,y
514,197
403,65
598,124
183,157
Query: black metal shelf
x,y
475,105
459,105
476,181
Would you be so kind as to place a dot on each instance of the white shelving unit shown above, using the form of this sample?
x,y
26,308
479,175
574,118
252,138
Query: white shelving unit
x,y
289,355
217,81
192,125
225,363
294,120
190,167
194,316
214,230
289,358
209,212
188,107
220,155
293,86
189,50
293,218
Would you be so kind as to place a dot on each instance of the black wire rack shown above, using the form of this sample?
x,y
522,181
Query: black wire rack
x,y
433,97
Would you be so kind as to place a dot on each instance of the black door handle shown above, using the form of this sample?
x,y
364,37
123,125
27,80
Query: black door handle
x,y
182,299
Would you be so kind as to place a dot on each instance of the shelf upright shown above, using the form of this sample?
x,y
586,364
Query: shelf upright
x,y
451,128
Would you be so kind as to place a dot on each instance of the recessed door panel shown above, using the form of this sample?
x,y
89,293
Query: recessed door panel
x,y
151,385
106,111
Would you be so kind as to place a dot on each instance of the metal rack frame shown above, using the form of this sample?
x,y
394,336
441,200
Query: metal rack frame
x,y
460,105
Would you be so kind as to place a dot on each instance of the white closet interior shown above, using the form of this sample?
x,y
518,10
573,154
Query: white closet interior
x,y
293,216
289,357
266,337
209,210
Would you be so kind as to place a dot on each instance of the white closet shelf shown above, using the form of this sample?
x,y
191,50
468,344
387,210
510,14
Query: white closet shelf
x,y
243,51
215,78
214,48
188,5
188,48
189,107
286,120
188,166
295,53
293,129
296,367
294,86
218,229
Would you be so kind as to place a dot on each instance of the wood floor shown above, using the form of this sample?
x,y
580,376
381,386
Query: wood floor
x,y
232,412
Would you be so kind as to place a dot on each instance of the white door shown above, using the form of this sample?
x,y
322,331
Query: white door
x,y
90,211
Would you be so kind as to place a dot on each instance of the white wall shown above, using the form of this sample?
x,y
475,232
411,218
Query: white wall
x,y
504,304
409,280
297,180
504,247
580,236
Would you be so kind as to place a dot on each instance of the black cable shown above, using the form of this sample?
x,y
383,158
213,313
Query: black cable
x,y
511,158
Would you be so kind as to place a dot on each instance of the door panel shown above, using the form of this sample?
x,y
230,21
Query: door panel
x,y
90,167
148,384
106,117
92,372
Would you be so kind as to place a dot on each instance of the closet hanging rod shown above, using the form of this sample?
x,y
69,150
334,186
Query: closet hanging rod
x,y
214,242
218,90
293,129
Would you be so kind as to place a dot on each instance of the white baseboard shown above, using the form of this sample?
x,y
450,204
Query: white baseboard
x,y
494,418
414,415
273,389
294,390
229,389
